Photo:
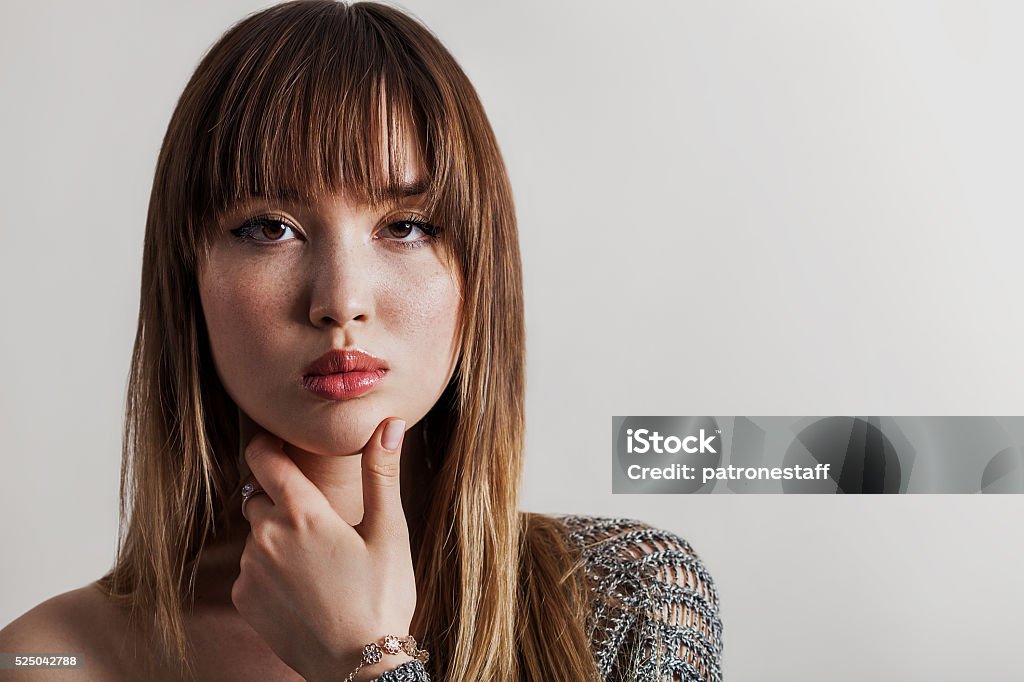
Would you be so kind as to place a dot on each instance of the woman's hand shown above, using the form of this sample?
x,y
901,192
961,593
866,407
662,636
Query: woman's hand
x,y
314,587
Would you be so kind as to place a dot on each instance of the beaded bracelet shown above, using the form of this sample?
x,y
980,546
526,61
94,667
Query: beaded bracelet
x,y
390,644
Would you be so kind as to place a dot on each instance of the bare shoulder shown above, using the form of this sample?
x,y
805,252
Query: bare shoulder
x,y
81,621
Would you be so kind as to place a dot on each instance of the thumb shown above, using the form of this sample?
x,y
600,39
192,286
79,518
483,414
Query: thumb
x,y
383,516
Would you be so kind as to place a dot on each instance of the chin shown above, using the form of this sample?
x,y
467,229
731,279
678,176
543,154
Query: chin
x,y
329,445
343,431
331,429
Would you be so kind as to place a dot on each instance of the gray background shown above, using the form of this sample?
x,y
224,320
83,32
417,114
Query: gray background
x,y
726,208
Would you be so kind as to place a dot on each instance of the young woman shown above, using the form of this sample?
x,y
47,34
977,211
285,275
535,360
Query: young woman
x,y
324,431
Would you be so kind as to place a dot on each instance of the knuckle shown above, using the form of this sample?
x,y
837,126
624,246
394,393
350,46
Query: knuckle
x,y
247,562
263,539
386,472
299,519
237,594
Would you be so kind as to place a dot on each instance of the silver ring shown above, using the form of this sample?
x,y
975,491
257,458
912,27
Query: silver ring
x,y
250,491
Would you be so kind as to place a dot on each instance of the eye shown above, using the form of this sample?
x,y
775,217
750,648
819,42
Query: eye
x,y
410,232
264,230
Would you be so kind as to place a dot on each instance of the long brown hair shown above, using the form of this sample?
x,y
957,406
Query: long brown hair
x,y
307,98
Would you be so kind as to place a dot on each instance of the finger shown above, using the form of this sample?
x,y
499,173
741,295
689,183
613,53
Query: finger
x,y
278,475
383,517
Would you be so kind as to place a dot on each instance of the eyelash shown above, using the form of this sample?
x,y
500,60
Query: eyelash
x,y
245,232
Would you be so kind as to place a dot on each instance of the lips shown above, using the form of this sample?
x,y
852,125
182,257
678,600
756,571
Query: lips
x,y
344,374
337,361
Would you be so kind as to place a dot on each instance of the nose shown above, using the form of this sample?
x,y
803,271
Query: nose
x,y
342,286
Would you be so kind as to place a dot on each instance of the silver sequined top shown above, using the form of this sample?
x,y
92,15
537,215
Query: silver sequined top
x,y
654,608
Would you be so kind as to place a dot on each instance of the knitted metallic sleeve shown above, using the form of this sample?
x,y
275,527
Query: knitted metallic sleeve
x,y
411,671
654,609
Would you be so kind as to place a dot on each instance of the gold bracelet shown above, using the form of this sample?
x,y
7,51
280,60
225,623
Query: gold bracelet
x,y
389,644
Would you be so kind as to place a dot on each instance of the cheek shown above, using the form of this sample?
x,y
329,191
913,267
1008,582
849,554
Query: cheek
x,y
425,307
239,317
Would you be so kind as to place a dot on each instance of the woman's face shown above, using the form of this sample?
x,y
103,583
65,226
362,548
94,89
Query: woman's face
x,y
286,282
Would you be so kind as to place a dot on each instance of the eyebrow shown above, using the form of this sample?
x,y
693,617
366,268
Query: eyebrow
x,y
413,189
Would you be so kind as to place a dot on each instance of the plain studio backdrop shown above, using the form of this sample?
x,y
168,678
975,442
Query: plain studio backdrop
x,y
729,208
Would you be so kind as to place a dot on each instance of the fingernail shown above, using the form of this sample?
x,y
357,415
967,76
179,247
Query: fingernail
x,y
393,432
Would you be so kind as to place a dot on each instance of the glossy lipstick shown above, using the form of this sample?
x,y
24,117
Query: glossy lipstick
x,y
344,374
